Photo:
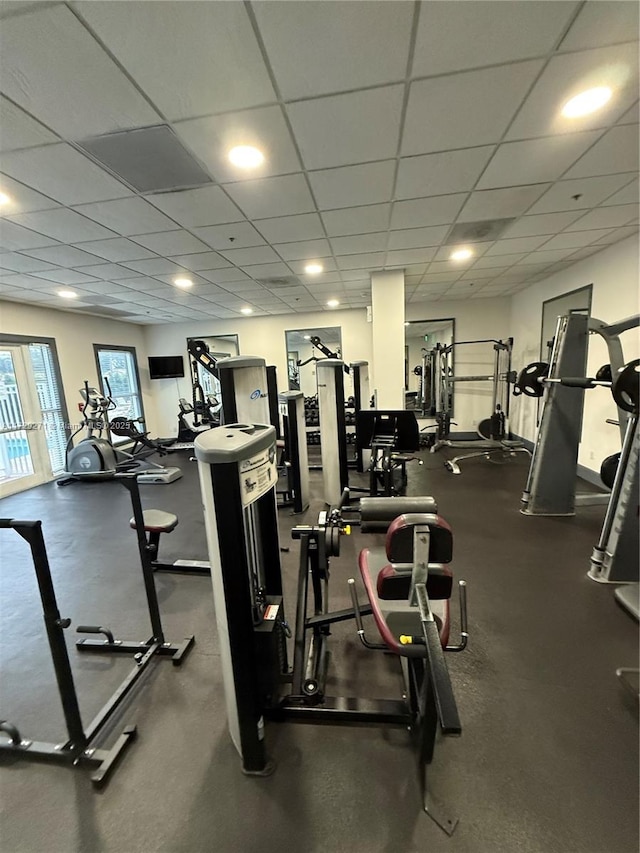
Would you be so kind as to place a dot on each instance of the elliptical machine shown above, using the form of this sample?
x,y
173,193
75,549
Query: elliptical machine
x,y
95,457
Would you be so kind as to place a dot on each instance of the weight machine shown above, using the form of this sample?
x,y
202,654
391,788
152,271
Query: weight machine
x,y
409,602
389,436
81,746
551,483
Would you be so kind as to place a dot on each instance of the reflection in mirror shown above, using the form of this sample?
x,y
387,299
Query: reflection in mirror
x,y
302,355
220,346
422,338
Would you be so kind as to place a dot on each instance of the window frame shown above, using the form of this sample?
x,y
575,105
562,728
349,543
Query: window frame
x,y
97,349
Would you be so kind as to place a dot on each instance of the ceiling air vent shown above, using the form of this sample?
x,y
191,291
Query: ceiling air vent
x,y
278,281
478,232
149,159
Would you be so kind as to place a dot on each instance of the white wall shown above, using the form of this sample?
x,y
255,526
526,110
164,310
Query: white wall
x,y
75,334
260,336
614,275
474,319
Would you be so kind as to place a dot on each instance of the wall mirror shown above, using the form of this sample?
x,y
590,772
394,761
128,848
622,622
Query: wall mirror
x,y
302,355
220,346
421,337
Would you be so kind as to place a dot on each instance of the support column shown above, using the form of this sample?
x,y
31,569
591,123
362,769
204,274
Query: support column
x,y
387,307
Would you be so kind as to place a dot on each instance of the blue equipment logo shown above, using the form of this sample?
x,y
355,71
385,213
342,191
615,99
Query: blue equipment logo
x,y
257,394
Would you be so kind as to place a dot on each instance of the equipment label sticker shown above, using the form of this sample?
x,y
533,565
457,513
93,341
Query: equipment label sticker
x,y
258,475
271,612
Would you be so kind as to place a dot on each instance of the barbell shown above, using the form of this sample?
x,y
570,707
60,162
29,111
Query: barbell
x,y
625,386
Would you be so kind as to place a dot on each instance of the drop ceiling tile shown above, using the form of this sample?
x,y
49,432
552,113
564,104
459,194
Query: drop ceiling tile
x,y
201,261
402,257
197,207
145,284
606,217
23,281
265,128
370,261
171,243
169,279
117,249
350,186
344,48
440,174
467,109
64,256
439,210
304,250
500,204
337,130
356,220
219,67
224,276
62,173
127,216
543,223
414,238
265,197
21,198
628,195
22,263
15,238
328,267
19,130
60,73
517,245
256,255
238,235
489,261
277,270
632,116
375,242
569,74
290,229
616,151
550,256
479,249
536,160
62,276
591,191
446,276
454,36
480,274
619,234
155,266
356,274
575,239
63,224
601,23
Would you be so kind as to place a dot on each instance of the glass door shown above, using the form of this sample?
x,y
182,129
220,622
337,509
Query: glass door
x,y
24,460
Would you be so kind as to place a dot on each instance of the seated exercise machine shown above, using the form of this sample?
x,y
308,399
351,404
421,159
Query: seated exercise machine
x,y
389,436
96,458
408,585
293,462
551,483
205,408
81,748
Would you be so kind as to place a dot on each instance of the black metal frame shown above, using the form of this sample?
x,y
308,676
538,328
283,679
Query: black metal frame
x,y
79,748
292,496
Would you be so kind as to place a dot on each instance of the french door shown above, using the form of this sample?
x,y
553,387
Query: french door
x,y
24,458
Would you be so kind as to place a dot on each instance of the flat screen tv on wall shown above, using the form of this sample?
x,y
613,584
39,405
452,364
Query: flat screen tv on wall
x,y
166,366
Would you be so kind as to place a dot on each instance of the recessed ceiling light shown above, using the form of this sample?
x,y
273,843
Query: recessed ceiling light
x,y
67,294
246,156
333,303
313,269
246,310
307,337
183,282
461,255
587,102
406,324
4,199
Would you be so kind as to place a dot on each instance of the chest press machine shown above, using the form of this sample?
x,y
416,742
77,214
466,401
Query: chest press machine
x,y
408,585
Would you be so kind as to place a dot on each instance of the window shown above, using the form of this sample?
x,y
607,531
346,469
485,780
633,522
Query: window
x,y
118,372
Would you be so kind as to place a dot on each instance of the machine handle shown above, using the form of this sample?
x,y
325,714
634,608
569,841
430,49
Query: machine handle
x,y
464,634
358,618
95,629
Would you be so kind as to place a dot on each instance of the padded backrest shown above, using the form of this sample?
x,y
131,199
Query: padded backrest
x,y
376,514
395,586
399,540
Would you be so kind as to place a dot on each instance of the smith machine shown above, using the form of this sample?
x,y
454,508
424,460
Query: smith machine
x,y
408,584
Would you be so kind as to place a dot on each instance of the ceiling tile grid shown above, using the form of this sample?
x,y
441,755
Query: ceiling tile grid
x,y
393,124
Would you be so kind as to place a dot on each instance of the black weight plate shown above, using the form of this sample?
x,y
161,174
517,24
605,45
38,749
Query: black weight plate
x,y
626,387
